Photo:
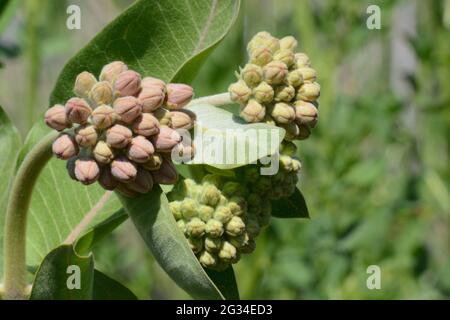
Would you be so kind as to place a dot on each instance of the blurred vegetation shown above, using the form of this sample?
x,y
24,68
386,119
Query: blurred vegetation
x,y
375,171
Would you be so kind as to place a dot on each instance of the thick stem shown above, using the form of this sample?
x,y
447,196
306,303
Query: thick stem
x,y
16,217
217,100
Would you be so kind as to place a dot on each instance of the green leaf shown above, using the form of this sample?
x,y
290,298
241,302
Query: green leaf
x,y
10,143
216,128
106,288
291,207
152,217
164,39
226,282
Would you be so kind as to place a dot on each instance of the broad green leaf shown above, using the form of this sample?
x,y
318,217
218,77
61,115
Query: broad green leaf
x,y
152,217
10,144
165,39
226,282
106,288
225,141
291,207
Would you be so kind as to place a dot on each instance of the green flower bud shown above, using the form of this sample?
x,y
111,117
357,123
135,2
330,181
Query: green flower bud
x,y
265,39
264,184
231,188
288,148
253,111
77,110
65,147
237,206
178,95
195,228
167,173
214,228
286,162
86,135
143,182
239,92
127,83
166,139
151,98
163,116
282,113
261,56
128,109
302,60
228,252
175,208
140,150
251,174
240,240
235,227
123,169
213,244
295,78
252,74
189,208
112,70
182,119
292,131
304,132
286,56
223,214
196,244
103,153
252,226
305,113
249,247
125,190
263,93
146,125
182,225
308,74
266,215
154,162
56,118
101,93
275,72
83,84
70,166
296,165
104,117
106,179
87,171
210,195
205,213
213,179
284,93
254,202
118,136
289,43
207,259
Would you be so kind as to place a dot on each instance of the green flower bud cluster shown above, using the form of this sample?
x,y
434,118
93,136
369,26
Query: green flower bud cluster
x,y
278,86
120,129
220,218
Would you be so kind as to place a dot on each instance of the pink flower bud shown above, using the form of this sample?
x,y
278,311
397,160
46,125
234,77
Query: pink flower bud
x,y
167,174
151,82
166,139
146,125
65,147
86,135
178,95
275,72
77,110
56,118
128,109
86,171
182,119
140,149
127,83
123,169
101,93
112,70
106,179
104,117
143,182
118,136
152,97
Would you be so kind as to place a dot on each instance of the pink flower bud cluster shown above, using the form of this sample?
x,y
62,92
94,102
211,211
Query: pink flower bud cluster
x,y
120,129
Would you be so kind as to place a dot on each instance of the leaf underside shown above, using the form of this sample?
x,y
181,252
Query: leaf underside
x,y
292,207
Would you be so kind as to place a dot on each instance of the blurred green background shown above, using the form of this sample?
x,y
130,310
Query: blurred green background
x,y
375,171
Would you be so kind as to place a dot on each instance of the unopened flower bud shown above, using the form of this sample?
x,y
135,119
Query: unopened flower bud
x,y
288,42
101,93
151,97
175,208
249,247
154,162
265,39
237,206
182,225
305,113
125,190
143,182
235,227
275,72
195,228
284,93
86,135
296,165
196,244
207,260
103,153
240,240
214,228
223,214
227,252
163,116
112,70
261,56
266,215
178,95
123,169
106,179
70,166
140,149
309,92
286,56
213,179
104,117
213,244
251,74
65,147
182,119
166,139
253,111
77,110
205,212
167,173
302,60
304,132
128,109
292,130
210,195
288,148
83,84
146,125
127,83
282,113
87,171
239,92
263,93
252,226
286,162
295,78
153,82
56,118
118,136
189,208
308,74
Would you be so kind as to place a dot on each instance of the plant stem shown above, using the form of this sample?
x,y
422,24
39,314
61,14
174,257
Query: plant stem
x,y
16,217
217,100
